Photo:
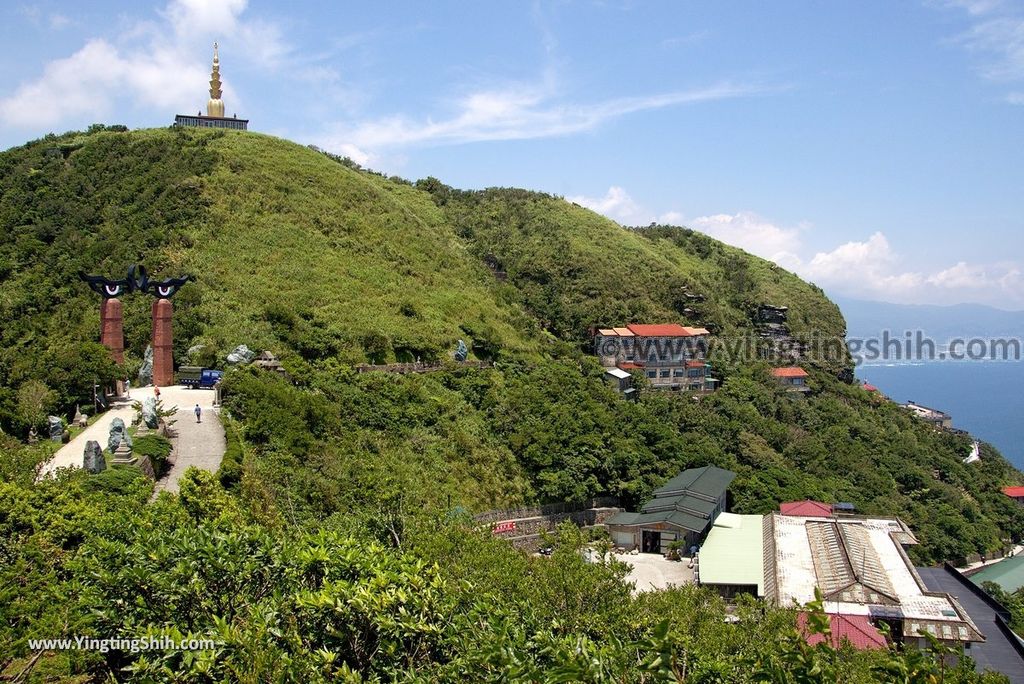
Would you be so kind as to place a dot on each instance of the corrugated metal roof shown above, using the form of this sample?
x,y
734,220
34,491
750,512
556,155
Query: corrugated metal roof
x,y
618,373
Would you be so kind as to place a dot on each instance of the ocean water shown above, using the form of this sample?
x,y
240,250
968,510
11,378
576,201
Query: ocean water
x,y
984,398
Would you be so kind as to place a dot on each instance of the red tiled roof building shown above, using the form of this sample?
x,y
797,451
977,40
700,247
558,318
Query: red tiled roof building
x,y
856,629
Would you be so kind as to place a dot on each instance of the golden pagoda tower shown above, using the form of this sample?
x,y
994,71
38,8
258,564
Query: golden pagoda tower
x,y
215,105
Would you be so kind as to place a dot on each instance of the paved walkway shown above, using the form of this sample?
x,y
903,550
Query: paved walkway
x,y
198,444
995,653
70,455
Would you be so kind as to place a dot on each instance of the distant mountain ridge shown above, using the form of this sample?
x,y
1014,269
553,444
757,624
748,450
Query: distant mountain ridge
x,y
965,321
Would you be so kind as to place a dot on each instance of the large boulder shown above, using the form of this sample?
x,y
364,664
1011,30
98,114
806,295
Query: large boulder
x,y
118,436
241,355
149,414
92,460
146,370
56,428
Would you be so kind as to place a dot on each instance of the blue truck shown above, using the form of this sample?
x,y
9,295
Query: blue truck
x,y
197,376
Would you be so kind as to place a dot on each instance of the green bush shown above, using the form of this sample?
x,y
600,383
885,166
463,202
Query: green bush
x,y
157,448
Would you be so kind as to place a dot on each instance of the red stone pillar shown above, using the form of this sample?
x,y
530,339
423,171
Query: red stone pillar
x,y
163,358
112,328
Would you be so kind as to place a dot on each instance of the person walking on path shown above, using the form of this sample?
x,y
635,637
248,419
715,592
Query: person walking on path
x,y
127,388
156,393
199,414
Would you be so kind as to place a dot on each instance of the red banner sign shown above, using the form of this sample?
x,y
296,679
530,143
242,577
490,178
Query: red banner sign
x,y
507,526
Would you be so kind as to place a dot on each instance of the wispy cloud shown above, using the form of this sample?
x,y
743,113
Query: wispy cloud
x,y
996,35
521,112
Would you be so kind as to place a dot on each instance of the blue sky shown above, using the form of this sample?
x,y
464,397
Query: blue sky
x,y
873,147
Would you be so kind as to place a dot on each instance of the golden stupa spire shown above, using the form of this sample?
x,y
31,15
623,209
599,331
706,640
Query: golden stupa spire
x,y
215,106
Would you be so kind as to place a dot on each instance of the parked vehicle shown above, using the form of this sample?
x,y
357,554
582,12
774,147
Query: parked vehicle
x,y
197,376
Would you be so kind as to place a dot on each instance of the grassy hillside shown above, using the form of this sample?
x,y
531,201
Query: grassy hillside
x,y
330,265
304,254
334,544
574,268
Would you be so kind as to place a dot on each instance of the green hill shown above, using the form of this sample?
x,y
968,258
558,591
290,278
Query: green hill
x,y
295,251
335,543
330,265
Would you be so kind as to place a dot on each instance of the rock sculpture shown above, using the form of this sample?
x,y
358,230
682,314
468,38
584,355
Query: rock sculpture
x,y
93,460
149,414
146,370
56,428
118,436
461,352
240,355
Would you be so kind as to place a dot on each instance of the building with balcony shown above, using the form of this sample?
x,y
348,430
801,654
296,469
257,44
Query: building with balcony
x,y
670,355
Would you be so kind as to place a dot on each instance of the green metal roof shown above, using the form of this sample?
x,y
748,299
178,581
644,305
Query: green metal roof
x,y
733,552
709,481
1007,573
686,502
677,518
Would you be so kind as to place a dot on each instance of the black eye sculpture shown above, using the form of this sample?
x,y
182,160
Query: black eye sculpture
x,y
137,281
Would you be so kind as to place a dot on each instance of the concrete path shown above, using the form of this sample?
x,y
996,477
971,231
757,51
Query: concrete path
x,y
70,455
651,571
199,444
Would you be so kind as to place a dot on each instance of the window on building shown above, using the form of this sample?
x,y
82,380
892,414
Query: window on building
x,y
652,374
678,373
696,372
665,373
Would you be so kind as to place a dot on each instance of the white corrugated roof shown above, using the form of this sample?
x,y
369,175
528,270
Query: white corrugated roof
x,y
617,372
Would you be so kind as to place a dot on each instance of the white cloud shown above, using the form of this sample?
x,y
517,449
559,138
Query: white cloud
x,y
58,21
617,205
869,269
872,269
744,229
161,65
523,111
753,233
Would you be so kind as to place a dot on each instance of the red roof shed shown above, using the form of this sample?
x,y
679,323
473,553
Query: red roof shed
x,y
806,508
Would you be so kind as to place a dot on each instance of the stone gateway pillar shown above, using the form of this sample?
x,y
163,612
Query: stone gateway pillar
x,y
163,341
112,328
